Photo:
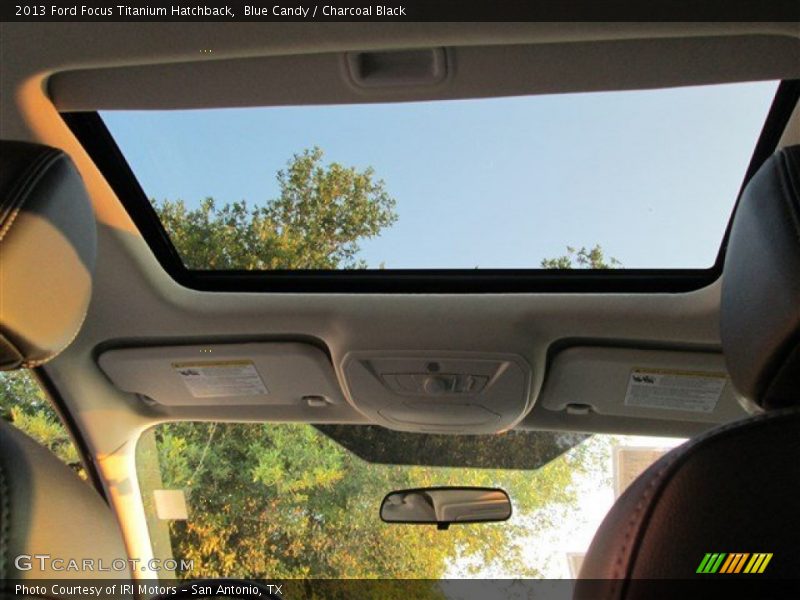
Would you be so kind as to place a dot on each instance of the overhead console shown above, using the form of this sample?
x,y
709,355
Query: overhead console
x,y
439,392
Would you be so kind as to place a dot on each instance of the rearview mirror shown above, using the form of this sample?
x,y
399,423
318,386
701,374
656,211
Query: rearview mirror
x,y
446,505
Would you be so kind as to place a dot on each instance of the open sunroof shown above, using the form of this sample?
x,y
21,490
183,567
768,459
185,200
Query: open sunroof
x,y
456,195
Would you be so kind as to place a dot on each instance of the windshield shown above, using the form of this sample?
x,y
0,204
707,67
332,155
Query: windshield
x,y
287,501
651,175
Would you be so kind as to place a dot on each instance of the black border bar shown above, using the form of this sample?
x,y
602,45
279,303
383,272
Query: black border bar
x,y
700,586
402,10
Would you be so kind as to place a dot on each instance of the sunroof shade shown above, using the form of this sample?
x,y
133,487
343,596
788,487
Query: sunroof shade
x,y
649,176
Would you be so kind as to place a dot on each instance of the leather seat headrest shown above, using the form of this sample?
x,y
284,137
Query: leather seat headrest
x,y
48,242
760,306
47,510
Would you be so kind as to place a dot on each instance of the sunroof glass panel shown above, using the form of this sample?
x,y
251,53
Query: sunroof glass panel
x,y
650,177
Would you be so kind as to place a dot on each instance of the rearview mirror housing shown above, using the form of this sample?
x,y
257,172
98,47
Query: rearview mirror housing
x,y
443,506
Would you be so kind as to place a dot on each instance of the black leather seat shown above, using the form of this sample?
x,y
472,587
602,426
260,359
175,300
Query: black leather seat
x,y
732,491
47,254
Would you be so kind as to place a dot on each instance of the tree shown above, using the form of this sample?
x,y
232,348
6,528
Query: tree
x,y
315,223
582,258
23,403
287,500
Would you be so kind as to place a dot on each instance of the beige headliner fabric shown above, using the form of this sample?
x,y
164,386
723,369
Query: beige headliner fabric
x,y
135,300
474,71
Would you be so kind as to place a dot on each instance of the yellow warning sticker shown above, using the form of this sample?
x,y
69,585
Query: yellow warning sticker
x,y
693,391
221,379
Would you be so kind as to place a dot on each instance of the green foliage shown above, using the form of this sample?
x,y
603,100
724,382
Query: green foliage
x,y
581,258
23,404
286,501
315,223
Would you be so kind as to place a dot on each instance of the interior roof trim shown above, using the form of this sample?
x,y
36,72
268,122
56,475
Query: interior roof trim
x,y
474,71
92,133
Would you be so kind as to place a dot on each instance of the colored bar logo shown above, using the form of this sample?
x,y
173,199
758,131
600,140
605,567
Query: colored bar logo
x,y
735,562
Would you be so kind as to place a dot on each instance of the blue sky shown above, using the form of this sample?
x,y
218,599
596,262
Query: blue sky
x,y
650,175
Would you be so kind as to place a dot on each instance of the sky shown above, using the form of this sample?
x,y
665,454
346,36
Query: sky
x,y
651,176
548,550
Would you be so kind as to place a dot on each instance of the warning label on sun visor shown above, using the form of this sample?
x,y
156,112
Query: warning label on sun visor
x,y
675,390
221,379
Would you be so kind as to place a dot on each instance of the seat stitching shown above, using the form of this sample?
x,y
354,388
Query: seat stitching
x,y
30,364
635,529
17,195
662,476
9,222
28,180
640,507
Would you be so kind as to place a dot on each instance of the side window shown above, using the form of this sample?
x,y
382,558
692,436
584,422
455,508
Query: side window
x,y
24,405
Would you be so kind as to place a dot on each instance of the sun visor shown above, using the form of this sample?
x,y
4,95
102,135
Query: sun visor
x,y
641,384
275,374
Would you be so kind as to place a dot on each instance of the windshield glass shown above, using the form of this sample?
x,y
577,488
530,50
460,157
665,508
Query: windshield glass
x,y
651,175
287,501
